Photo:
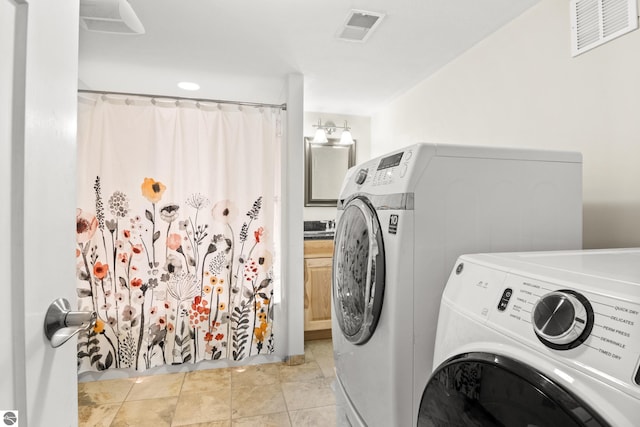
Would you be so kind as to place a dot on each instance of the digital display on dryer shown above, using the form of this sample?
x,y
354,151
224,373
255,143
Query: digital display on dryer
x,y
390,161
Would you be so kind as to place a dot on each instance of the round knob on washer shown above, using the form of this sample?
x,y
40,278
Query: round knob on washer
x,y
361,176
562,319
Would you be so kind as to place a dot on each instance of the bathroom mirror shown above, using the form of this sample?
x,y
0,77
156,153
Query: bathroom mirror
x,y
325,167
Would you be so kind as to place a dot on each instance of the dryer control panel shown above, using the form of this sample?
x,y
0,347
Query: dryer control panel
x,y
563,319
578,326
604,331
594,331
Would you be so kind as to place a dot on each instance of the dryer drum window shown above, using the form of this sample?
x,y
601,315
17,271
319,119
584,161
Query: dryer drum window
x,y
486,390
358,271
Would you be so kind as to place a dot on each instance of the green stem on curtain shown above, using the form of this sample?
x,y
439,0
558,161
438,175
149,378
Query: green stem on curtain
x,y
86,265
204,262
215,317
196,252
153,235
231,284
255,309
115,354
186,261
166,248
104,244
115,283
148,355
202,287
141,335
146,251
173,351
104,295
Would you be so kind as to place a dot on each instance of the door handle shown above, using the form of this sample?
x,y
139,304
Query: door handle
x,y
60,323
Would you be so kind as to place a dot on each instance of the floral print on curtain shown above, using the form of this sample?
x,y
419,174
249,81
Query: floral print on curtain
x,y
172,281
165,286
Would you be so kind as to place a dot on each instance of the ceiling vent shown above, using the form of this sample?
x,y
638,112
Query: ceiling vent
x,y
595,22
109,16
359,25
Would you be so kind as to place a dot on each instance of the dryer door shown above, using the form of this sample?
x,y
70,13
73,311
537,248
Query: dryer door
x,y
358,271
479,389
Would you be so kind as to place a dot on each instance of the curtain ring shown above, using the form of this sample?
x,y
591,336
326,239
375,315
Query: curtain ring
x,y
127,101
198,104
153,101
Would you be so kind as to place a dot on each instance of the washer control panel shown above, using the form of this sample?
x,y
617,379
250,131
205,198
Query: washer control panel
x,y
387,170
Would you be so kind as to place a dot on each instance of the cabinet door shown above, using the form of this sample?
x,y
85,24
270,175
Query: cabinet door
x,y
317,294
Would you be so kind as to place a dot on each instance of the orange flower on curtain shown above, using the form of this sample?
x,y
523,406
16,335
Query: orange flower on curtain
x,y
152,190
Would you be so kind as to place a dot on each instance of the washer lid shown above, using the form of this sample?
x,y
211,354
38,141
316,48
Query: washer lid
x,y
480,389
358,271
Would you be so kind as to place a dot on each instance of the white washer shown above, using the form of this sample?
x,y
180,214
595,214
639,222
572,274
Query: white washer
x,y
403,219
547,338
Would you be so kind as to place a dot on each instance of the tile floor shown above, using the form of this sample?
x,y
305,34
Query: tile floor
x,y
272,394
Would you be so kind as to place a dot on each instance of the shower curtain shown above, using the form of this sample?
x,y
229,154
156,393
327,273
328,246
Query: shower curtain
x,y
178,206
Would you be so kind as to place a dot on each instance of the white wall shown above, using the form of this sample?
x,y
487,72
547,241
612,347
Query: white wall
x,y
7,28
361,132
521,87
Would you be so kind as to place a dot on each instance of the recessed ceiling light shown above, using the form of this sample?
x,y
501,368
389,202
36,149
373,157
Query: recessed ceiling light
x,y
188,86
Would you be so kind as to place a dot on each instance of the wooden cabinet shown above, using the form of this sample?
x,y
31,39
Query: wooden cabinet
x,y
317,288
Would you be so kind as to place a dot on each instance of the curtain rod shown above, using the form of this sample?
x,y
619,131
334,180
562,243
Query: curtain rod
x,y
182,98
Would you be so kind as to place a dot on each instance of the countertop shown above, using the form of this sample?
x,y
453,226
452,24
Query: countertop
x,y
319,235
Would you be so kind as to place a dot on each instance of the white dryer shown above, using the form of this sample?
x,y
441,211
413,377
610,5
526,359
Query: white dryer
x,y
542,339
403,219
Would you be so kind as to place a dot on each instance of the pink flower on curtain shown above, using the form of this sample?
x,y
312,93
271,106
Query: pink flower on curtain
x,y
123,257
86,226
174,241
224,211
264,258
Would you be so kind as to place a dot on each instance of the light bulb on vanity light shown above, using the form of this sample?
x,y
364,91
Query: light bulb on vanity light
x,y
320,136
346,138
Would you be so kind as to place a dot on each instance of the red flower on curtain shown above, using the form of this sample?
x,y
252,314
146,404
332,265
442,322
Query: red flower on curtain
x,y
100,270
258,234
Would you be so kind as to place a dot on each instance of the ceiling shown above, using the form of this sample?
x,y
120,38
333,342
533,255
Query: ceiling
x,y
242,50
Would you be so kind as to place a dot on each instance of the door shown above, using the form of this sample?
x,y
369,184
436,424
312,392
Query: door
x,y
38,98
358,271
486,390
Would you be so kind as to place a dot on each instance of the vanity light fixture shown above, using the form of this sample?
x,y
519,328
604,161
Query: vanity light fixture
x,y
329,128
